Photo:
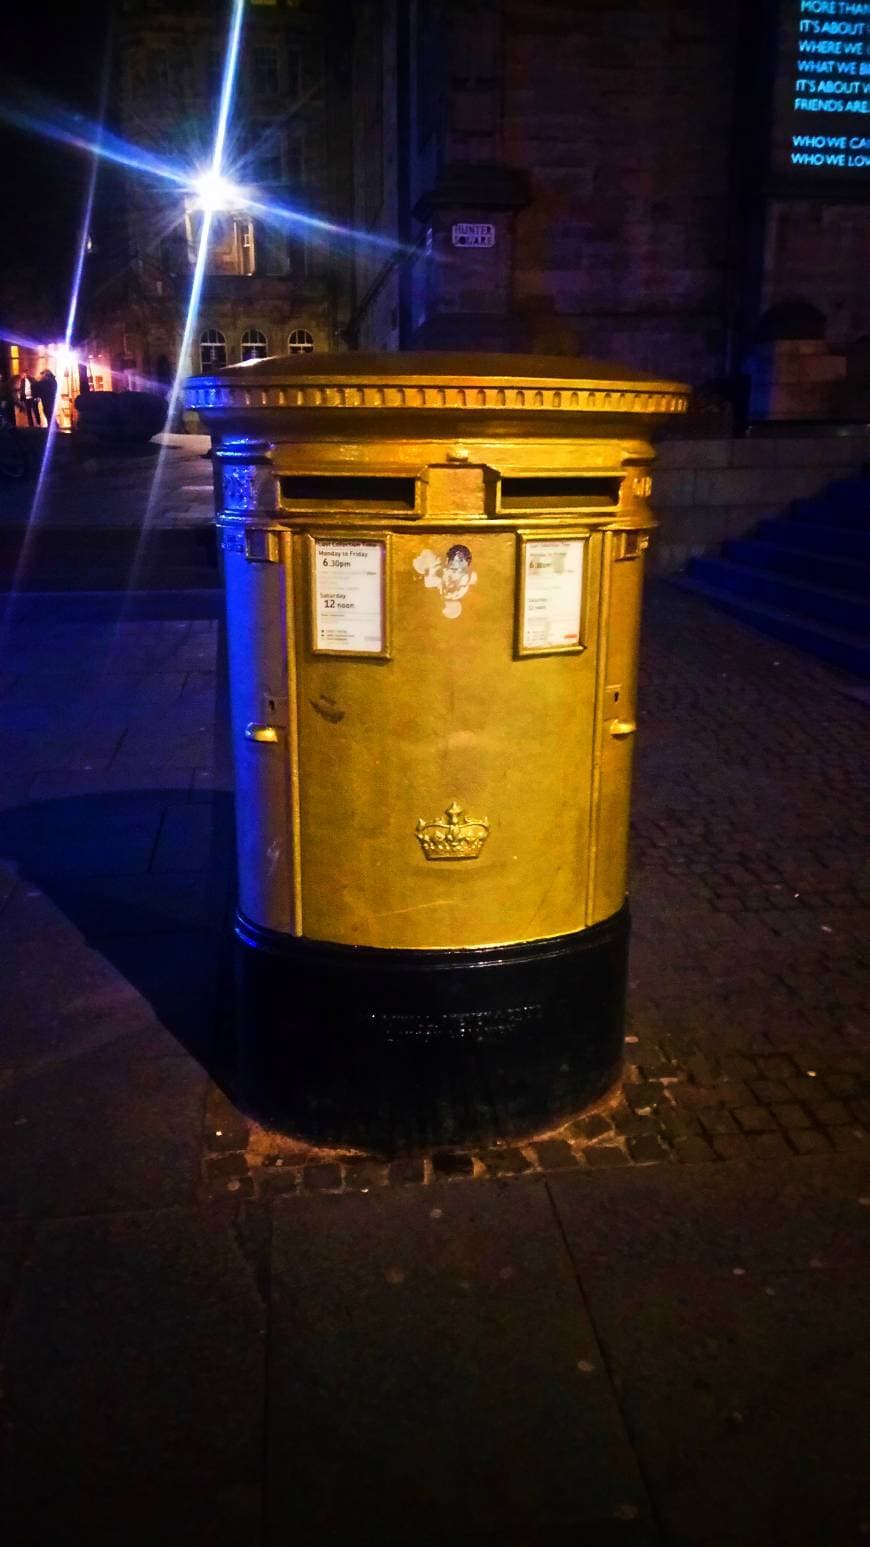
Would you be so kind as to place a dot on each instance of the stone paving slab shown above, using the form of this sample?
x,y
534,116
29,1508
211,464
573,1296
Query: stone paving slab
x,y
751,910
59,996
105,490
100,1132
435,1378
133,1384
732,1308
744,1113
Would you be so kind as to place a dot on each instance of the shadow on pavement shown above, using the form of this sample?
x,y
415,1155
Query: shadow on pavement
x,y
147,877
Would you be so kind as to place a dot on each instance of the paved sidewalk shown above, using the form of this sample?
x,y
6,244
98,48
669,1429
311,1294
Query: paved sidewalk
x,y
648,1327
85,487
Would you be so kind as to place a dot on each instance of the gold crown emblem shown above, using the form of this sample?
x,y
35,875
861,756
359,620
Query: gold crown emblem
x,y
453,836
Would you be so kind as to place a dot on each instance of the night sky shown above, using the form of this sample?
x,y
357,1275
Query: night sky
x,y
56,56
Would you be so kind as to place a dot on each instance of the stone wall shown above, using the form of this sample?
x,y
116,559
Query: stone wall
x,y
817,250
622,117
705,491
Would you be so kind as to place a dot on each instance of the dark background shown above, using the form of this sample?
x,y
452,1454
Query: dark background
x,y
46,56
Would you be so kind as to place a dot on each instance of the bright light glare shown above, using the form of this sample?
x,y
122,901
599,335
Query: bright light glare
x,y
211,187
215,193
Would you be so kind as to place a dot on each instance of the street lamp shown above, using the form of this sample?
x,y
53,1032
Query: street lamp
x,y
214,193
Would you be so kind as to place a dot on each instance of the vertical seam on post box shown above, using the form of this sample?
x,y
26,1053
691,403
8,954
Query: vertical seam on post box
x,y
604,589
293,614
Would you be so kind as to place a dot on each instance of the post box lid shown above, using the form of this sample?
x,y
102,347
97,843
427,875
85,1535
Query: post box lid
x,y
431,379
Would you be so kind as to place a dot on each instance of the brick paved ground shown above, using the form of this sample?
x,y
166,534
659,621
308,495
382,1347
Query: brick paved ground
x,y
85,487
203,1342
749,1025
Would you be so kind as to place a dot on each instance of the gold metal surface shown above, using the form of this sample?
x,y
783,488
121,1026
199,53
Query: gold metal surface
x,y
539,739
289,626
620,632
453,836
437,381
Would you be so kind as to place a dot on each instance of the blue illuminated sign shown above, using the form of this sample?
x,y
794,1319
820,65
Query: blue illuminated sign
x,y
827,109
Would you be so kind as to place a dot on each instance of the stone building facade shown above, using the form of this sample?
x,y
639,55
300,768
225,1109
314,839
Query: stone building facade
x,y
593,176
270,286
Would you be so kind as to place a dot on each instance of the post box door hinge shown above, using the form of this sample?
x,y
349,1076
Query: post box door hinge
x,y
262,546
629,545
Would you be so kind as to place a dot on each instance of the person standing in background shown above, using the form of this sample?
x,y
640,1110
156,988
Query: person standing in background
x,y
28,397
7,402
47,393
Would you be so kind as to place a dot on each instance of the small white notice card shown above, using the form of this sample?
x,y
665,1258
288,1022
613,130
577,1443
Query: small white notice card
x,y
552,594
349,596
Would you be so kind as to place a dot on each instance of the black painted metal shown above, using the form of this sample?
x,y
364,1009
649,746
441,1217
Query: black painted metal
x,y
405,1050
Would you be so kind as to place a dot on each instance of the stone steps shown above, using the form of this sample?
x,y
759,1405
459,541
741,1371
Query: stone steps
x,y
838,647
803,577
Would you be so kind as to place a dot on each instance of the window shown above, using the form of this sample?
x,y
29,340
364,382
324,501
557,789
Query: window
x,y
253,344
157,74
212,350
262,151
231,248
264,71
296,157
272,251
244,242
299,258
293,60
429,69
213,65
300,342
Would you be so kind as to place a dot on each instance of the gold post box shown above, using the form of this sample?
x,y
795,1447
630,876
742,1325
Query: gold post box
x,y
433,570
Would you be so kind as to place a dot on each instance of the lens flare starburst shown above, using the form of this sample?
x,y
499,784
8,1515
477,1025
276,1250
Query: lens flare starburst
x,y
209,187
214,194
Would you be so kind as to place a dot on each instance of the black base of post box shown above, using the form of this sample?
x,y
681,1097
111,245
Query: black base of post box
x,y
401,1051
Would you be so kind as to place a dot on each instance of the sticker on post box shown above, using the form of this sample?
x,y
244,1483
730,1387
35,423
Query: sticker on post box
x,y
552,594
349,591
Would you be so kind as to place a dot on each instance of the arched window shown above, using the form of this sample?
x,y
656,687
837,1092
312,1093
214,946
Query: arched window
x,y
300,342
791,319
253,344
212,350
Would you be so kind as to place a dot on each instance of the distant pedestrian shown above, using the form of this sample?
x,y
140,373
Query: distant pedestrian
x,y
7,403
28,397
47,392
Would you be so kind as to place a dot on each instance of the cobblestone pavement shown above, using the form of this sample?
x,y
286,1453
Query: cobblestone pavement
x,y
750,981
212,1333
107,489
749,1019
749,1001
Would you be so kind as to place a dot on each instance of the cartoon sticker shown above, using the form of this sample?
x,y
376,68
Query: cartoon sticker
x,y
451,575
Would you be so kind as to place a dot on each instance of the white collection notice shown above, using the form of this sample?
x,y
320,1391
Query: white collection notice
x,y
552,594
349,596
